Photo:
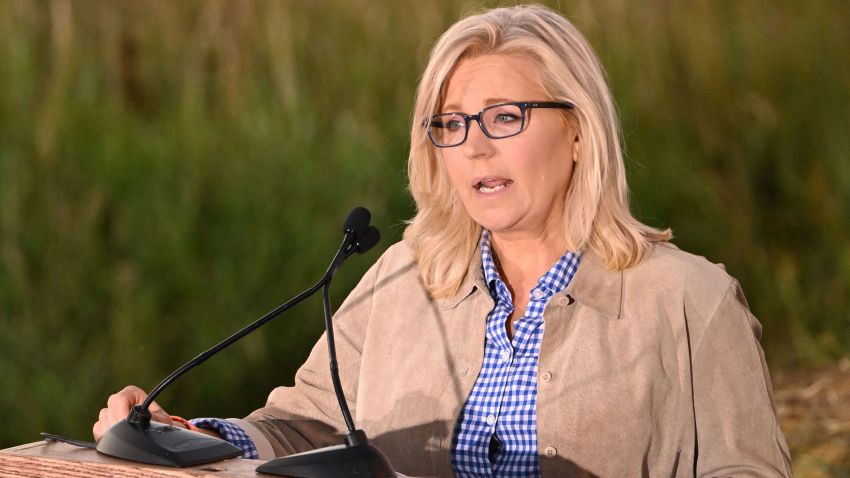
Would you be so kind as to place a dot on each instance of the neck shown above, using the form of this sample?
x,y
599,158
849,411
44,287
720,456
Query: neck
x,y
523,258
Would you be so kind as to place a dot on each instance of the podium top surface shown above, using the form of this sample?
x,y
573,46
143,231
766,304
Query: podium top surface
x,y
54,459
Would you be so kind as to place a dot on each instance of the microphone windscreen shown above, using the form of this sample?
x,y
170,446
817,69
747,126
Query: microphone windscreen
x,y
369,239
357,221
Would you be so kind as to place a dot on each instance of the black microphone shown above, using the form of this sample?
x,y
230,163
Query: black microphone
x,y
356,458
368,239
357,221
139,439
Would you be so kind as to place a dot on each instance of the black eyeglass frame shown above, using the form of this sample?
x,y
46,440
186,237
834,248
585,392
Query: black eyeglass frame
x,y
523,107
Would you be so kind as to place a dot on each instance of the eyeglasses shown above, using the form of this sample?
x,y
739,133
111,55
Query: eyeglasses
x,y
496,121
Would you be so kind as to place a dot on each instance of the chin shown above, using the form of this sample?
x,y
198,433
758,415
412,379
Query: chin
x,y
496,225
496,219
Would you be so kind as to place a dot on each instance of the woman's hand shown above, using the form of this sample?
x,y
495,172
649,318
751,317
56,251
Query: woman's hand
x,y
118,407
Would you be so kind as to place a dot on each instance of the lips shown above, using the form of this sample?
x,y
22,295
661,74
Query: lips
x,y
491,184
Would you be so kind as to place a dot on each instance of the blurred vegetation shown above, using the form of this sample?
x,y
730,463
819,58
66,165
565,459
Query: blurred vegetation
x,y
169,171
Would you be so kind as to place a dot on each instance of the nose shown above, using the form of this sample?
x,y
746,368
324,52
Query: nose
x,y
477,144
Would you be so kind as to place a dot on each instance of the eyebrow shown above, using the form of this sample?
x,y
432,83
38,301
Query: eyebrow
x,y
489,101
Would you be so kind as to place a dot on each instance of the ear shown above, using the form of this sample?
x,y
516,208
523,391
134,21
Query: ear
x,y
576,148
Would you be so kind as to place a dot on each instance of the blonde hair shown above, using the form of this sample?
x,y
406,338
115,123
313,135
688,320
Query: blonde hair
x,y
596,214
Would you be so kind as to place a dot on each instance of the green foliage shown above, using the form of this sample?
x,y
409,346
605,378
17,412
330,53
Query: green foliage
x,y
171,170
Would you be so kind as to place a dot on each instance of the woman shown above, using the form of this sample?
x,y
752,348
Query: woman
x,y
528,325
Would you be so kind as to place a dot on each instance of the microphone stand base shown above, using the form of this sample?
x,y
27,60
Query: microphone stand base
x,y
355,459
159,444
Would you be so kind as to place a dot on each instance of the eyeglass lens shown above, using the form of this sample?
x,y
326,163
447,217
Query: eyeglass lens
x,y
498,121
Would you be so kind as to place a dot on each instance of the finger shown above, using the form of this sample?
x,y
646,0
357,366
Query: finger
x,y
102,424
98,430
121,401
126,398
162,417
155,408
118,407
158,414
134,394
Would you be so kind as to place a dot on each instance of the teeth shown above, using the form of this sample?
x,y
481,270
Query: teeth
x,y
485,189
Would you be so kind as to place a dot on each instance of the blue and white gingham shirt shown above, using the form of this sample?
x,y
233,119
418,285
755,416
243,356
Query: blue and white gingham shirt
x,y
230,432
496,433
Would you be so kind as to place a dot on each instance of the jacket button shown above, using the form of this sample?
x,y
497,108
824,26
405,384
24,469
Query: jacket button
x,y
550,451
547,376
563,301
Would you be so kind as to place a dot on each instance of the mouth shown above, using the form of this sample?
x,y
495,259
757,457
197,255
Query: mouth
x,y
491,184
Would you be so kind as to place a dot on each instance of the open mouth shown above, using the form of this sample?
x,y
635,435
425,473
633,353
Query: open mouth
x,y
491,185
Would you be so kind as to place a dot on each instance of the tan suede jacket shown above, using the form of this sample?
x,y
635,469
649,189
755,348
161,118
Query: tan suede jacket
x,y
652,371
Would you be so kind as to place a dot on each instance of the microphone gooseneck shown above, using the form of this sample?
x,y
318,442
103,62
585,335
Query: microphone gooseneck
x,y
357,458
356,225
139,439
224,344
340,397
366,240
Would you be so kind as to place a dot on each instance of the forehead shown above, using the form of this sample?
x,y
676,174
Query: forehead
x,y
479,81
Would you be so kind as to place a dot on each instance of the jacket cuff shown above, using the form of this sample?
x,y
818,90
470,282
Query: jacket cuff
x,y
264,446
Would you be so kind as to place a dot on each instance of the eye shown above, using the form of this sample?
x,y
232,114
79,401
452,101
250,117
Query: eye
x,y
503,115
506,118
454,124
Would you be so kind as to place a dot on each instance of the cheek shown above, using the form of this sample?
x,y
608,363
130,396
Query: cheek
x,y
562,178
554,175
454,171
454,164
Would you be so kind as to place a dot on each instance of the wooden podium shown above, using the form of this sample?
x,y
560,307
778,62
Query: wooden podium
x,y
59,460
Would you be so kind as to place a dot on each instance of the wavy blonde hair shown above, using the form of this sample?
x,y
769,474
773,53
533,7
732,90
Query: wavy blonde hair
x,y
596,214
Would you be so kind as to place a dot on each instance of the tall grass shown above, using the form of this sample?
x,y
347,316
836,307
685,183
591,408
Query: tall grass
x,y
171,170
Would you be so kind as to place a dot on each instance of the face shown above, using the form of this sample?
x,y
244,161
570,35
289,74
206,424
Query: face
x,y
517,185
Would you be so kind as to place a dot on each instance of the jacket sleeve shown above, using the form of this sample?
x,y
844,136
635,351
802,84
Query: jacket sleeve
x,y
307,415
737,428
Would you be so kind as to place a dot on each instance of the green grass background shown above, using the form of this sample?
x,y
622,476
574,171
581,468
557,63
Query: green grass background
x,y
169,171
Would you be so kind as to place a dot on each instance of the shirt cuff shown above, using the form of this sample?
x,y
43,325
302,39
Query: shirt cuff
x,y
231,433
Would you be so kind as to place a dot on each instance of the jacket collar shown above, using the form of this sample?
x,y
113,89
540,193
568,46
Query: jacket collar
x,y
472,283
597,287
594,285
